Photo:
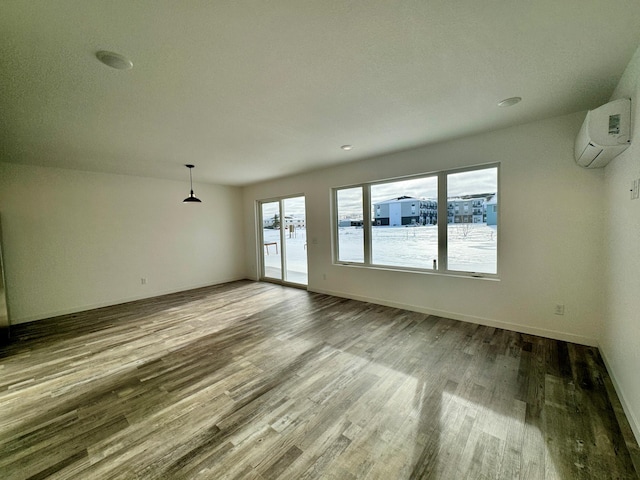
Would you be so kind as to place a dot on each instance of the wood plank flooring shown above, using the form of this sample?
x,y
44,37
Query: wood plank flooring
x,y
258,381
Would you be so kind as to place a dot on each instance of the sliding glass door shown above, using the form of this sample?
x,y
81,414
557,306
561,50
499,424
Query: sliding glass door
x,y
272,251
284,240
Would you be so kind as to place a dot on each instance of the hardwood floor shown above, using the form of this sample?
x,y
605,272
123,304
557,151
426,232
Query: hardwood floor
x,y
258,381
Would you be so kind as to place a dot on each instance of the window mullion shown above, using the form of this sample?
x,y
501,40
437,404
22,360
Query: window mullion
x,y
283,224
366,222
443,221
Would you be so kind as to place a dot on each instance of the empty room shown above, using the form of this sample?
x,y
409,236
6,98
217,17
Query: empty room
x,y
334,240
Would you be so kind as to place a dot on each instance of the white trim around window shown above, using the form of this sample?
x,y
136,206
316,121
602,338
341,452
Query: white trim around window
x,y
461,239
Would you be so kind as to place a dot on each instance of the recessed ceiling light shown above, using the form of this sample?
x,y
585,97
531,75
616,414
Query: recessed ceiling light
x,y
509,102
114,60
347,147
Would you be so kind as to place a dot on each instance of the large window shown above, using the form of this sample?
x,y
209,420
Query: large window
x,y
350,232
404,231
471,239
398,208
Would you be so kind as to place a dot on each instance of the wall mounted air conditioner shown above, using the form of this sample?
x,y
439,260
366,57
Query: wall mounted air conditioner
x,y
604,135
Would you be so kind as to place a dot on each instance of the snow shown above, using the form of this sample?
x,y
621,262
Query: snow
x,y
471,248
296,255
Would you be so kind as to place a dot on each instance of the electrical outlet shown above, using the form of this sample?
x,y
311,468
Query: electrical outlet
x,y
635,189
559,310
143,281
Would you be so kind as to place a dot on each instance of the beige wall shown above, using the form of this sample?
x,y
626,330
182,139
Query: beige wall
x,y
77,240
620,343
551,233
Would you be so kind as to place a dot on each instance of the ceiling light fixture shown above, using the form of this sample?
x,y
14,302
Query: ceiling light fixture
x,y
191,197
347,147
114,60
509,102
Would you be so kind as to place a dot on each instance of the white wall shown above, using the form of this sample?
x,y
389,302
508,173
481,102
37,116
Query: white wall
x,y
551,235
620,343
77,240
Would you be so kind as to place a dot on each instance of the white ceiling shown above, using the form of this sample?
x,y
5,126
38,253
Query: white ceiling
x,y
253,90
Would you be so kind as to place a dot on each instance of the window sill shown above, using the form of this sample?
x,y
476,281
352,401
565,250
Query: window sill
x,y
391,268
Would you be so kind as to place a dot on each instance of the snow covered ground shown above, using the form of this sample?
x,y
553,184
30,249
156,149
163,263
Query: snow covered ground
x,y
471,247
296,252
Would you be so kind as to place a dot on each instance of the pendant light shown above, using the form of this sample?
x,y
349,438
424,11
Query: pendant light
x,y
191,197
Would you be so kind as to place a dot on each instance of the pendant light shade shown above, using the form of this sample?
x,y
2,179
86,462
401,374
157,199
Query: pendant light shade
x,y
191,197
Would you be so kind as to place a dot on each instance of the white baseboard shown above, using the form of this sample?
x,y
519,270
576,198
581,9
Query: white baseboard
x,y
633,420
109,303
556,335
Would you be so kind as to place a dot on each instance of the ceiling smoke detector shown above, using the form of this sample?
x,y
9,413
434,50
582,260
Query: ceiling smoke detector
x,y
509,102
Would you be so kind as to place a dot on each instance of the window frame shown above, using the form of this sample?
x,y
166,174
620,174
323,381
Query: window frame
x,y
260,250
367,211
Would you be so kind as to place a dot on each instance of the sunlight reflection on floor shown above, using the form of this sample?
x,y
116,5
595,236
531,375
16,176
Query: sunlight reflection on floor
x,y
479,440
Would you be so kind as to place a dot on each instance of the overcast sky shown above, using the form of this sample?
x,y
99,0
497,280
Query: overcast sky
x,y
292,206
458,184
350,200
